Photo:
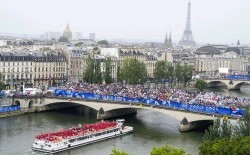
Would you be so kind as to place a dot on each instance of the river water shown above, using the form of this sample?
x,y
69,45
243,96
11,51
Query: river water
x,y
150,129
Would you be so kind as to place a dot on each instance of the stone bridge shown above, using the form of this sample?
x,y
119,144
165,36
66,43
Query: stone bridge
x,y
110,109
231,84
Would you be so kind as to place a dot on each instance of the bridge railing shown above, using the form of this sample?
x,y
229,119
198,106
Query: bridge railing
x,y
191,107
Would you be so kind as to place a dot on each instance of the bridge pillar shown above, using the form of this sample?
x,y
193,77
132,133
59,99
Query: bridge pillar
x,y
195,125
114,113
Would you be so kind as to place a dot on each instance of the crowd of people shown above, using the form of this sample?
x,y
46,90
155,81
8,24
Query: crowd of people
x,y
76,132
178,95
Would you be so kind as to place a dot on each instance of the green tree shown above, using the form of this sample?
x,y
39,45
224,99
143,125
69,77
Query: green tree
x,y
118,74
133,71
167,150
244,126
98,73
107,74
200,84
2,86
103,42
160,71
63,39
234,146
89,73
187,72
219,130
178,73
143,73
170,72
213,131
118,152
93,72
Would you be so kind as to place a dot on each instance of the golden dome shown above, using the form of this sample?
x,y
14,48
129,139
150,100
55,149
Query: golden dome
x,y
67,32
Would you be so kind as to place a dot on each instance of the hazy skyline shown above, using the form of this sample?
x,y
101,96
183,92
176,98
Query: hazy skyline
x,y
213,21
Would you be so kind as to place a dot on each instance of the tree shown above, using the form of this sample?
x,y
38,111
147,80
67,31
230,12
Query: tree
x,y
118,74
200,84
98,73
107,74
170,72
93,72
167,150
178,73
133,71
234,146
213,131
222,138
219,130
103,42
244,127
63,39
186,74
89,73
160,71
1,83
118,152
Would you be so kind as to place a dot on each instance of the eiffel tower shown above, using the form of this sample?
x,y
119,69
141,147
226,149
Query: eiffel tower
x,y
187,37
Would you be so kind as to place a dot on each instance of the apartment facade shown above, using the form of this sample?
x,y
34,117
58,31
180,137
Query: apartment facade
x,y
37,69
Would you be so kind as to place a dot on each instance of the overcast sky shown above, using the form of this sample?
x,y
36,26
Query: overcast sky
x,y
213,21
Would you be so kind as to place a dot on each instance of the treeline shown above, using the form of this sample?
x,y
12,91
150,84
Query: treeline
x,y
174,74
93,73
132,71
223,138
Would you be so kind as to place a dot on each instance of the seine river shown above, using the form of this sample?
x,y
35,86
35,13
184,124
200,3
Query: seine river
x,y
150,129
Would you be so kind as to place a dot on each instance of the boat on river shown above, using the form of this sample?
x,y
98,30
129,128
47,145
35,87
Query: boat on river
x,y
84,134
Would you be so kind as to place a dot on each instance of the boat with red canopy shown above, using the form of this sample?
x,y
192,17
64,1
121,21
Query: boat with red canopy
x,y
54,142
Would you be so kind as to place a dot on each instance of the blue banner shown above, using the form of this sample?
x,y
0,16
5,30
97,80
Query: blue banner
x,y
152,101
5,109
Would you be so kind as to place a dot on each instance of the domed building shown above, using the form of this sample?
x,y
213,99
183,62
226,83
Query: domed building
x,y
67,33
208,51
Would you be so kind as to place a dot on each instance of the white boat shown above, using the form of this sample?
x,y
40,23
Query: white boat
x,y
75,137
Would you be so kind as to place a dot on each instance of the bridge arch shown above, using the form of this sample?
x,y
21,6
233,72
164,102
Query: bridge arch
x,y
217,83
31,104
69,102
17,102
238,86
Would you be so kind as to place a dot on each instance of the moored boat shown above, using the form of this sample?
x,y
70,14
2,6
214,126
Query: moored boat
x,y
84,134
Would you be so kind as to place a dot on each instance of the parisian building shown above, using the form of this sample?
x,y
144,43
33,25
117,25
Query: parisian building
x,y
76,57
209,60
34,69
